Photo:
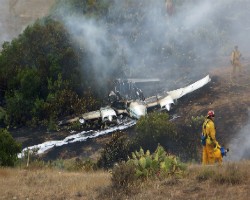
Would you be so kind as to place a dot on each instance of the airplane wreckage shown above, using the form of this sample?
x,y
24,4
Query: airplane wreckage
x,y
127,105
127,100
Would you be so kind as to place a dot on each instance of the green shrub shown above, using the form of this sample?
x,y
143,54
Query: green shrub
x,y
9,149
52,124
58,164
76,126
196,122
80,165
153,129
30,159
3,117
51,84
114,151
89,165
123,175
36,164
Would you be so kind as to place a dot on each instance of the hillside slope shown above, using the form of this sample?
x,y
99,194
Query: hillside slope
x,y
229,97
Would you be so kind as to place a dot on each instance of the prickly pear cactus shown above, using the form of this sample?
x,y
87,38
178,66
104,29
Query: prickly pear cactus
x,y
148,165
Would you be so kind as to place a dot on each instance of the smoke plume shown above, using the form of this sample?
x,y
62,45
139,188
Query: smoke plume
x,y
239,145
145,41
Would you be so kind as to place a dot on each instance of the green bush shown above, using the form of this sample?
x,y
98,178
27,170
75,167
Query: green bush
x,y
153,129
114,151
9,149
80,165
91,8
196,122
30,159
3,117
49,85
57,164
123,175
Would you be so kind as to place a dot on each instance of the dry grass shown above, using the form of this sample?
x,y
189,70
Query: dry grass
x,y
229,181
50,184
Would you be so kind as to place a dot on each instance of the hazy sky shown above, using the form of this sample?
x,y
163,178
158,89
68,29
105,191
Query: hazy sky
x,y
15,15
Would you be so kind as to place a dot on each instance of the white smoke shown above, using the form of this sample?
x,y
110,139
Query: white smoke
x,y
239,145
157,45
152,43
92,35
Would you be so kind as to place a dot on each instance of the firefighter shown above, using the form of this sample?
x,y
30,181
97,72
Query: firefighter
x,y
210,145
235,60
170,7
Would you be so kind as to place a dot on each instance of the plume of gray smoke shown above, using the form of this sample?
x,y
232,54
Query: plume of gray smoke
x,y
239,146
157,45
142,39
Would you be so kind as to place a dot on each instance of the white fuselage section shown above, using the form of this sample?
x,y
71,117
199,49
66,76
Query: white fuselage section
x,y
108,114
137,109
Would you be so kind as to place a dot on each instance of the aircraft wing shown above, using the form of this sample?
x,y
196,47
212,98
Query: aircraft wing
x,y
176,94
165,101
91,115
86,116
105,114
68,121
